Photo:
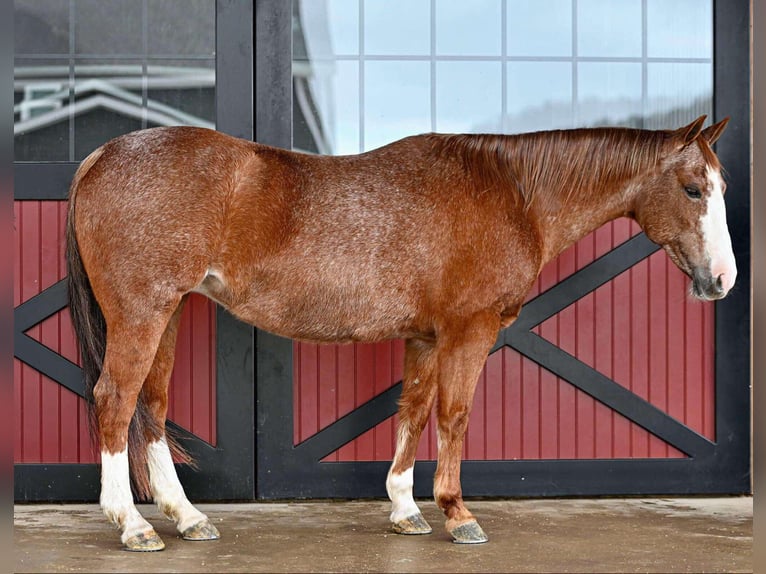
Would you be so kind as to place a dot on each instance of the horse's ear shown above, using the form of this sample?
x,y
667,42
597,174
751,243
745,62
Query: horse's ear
x,y
712,133
688,134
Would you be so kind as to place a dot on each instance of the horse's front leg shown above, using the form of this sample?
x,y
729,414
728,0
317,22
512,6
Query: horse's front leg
x,y
463,352
419,390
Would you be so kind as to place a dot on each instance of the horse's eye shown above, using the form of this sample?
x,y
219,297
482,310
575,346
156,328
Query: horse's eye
x,y
693,192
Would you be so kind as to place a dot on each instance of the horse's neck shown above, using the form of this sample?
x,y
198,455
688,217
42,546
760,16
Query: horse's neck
x,y
562,226
571,207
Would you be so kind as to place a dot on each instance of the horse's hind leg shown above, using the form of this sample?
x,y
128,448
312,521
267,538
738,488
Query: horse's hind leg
x,y
166,489
130,351
463,352
414,409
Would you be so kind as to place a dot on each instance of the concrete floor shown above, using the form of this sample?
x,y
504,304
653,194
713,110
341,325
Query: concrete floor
x,y
583,535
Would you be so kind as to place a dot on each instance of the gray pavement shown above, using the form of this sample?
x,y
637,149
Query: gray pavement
x,y
540,535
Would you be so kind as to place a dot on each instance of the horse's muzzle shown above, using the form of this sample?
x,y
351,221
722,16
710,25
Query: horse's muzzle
x,y
707,287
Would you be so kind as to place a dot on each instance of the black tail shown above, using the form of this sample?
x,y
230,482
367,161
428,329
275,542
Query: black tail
x,y
90,327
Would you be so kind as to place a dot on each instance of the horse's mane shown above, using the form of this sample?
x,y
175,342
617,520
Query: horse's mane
x,y
547,168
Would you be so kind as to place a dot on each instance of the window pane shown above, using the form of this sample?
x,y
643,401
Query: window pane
x,y
680,29
41,27
541,28
326,107
40,117
106,82
397,101
539,96
609,94
609,28
678,93
397,27
108,27
181,27
468,28
469,97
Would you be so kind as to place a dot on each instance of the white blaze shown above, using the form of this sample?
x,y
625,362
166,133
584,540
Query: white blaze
x,y
715,234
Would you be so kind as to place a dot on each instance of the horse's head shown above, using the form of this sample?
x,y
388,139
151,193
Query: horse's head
x,y
681,207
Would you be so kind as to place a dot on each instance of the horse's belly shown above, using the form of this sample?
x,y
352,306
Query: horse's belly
x,y
320,311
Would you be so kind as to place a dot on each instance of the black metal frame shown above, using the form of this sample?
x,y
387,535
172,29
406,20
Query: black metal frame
x,y
723,466
226,470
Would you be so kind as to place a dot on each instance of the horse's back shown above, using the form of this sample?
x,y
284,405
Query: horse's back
x,y
153,203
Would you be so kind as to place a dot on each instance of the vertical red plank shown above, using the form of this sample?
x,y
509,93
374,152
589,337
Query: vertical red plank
x,y
639,349
584,405
18,435
493,395
475,436
677,295
708,370
309,420
549,399
603,326
384,432
694,368
200,359
530,409
513,369
621,341
50,273
31,392
181,388
658,343
70,420
365,390
567,341
346,392
18,258
328,395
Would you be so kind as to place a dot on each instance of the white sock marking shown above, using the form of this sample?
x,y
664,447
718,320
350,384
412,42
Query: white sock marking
x,y
116,499
399,487
166,488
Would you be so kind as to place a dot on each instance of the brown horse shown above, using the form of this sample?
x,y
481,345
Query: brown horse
x,y
435,239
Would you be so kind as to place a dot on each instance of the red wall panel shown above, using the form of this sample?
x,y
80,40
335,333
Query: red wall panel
x,y
641,329
50,420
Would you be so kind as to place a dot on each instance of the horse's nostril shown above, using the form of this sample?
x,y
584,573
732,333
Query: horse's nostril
x,y
719,284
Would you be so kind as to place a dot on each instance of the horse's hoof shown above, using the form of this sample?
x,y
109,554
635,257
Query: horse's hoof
x,y
414,524
201,531
144,542
468,533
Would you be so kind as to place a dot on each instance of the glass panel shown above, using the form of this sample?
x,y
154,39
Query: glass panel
x,y
81,94
108,27
107,102
539,96
469,28
609,94
397,27
40,116
680,29
620,63
397,101
469,97
41,27
181,28
541,28
678,93
609,28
